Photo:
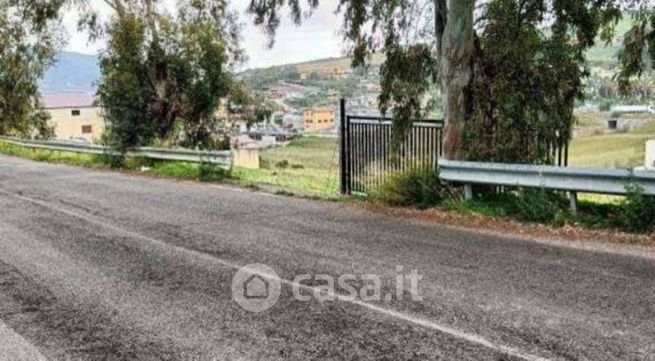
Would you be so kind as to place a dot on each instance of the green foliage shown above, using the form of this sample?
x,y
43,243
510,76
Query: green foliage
x,y
212,173
638,53
527,68
264,79
605,106
83,160
637,210
250,106
528,79
319,175
29,38
494,205
635,213
283,164
538,205
420,188
163,77
123,90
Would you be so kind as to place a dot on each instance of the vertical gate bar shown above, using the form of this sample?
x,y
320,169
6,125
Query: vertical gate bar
x,y
412,144
566,154
435,139
362,135
378,147
362,159
417,144
366,154
429,150
386,151
426,155
440,140
371,168
355,155
404,154
349,164
438,150
342,153
360,151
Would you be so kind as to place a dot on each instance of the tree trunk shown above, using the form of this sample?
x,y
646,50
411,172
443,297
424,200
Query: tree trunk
x,y
456,73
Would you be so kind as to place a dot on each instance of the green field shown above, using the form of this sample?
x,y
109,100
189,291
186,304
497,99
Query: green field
x,y
311,165
619,150
307,166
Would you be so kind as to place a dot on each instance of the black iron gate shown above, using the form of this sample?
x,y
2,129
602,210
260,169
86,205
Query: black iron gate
x,y
367,160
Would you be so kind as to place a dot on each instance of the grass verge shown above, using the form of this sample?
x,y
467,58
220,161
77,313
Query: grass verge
x,y
634,213
163,169
307,166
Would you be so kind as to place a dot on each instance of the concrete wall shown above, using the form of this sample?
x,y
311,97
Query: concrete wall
x,y
650,154
246,158
69,126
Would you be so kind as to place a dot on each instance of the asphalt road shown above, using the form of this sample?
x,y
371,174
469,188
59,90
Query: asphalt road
x,y
105,266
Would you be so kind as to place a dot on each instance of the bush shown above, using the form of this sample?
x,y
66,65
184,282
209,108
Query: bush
x,y
538,205
605,106
208,172
264,163
637,213
420,188
283,164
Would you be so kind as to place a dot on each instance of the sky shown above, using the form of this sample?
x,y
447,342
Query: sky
x,y
316,38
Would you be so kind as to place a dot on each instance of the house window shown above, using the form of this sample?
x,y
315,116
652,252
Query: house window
x,y
87,129
75,112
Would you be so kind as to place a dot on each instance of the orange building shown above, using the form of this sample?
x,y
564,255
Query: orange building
x,y
319,119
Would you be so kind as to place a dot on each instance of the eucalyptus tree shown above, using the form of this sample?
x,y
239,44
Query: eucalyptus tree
x,y
163,75
508,72
29,39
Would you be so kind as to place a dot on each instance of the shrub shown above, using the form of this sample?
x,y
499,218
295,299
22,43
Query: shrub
x,y
538,205
421,188
637,213
208,172
113,161
605,106
264,163
283,164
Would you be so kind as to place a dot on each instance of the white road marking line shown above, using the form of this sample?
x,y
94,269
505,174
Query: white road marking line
x,y
469,337
16,348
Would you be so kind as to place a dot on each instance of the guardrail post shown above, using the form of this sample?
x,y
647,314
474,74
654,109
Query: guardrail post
x,y
468,191
573,197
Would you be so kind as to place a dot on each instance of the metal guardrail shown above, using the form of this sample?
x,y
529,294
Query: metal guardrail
x,y
573,180
220,158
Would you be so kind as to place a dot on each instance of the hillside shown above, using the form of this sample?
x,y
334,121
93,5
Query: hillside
x,y
343,63
72,72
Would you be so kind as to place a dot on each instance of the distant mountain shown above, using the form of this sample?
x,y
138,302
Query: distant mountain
x,y
72,72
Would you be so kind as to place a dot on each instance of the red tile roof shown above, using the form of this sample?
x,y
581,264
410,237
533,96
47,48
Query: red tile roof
x,y
68,100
